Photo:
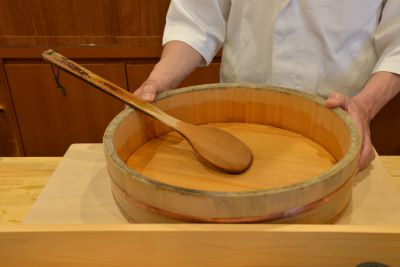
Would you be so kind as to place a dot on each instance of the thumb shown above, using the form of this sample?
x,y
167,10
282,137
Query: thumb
x,y
149,93
336,100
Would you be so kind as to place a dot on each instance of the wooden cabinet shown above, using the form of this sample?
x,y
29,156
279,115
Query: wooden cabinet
x,y
74,23
35,118
385,128
10,142
50,121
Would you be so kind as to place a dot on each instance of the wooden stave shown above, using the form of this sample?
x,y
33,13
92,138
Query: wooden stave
x,y
326,210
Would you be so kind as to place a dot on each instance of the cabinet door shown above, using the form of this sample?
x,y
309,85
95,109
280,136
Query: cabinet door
x,y
50,122
385,129
10,143
138,73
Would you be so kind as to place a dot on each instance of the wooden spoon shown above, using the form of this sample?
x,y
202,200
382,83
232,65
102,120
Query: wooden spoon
x,y
216,146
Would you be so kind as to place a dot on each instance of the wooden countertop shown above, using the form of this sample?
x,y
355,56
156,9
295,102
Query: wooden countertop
x,y
22,179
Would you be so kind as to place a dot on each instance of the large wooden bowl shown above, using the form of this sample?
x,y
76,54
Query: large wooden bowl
x,y
304,158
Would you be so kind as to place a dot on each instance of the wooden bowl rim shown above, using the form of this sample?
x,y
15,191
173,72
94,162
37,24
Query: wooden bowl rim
x,y
351,154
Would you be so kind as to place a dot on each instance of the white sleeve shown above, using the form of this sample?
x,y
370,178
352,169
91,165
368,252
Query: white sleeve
x,y
199,23
387,38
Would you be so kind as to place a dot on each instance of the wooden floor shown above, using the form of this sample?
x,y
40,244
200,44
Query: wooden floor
x,y
22,179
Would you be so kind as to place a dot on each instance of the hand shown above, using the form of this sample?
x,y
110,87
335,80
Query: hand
x,y
361,117
148,90
178,60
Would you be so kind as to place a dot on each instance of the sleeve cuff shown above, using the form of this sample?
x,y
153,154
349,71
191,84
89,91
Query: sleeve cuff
x,y
388,64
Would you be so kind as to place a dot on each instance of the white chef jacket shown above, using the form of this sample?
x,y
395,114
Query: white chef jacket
x,y
318,46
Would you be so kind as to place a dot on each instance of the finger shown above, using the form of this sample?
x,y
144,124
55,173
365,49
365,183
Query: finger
x,y
138,92
146,92
337,100
149,93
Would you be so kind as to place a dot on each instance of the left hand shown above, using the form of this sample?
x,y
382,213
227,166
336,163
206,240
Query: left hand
x,y
361,118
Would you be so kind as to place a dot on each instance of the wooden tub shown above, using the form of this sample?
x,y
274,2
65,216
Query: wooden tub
x,y
304,156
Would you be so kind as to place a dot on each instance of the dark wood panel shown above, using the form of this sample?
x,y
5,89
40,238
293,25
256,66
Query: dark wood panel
x,y
79,41
205,75
49,121
153,13
70,18
385,129
81,22
10,141
138,73
98,53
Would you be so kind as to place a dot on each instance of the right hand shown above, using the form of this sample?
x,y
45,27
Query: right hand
x,y
148,90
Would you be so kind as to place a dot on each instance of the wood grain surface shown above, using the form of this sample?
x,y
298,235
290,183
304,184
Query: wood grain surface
x,y
10,140
199,245
274,150
392,164
79,193
50,121
21,181
23,178
80,23
283,108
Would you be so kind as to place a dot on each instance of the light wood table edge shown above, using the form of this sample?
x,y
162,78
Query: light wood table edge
x,y
198,245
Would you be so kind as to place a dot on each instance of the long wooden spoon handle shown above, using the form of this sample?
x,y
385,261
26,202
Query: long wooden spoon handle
x,y
107,86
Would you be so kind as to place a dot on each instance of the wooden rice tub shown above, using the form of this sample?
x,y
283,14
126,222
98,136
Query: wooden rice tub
x,y
304,156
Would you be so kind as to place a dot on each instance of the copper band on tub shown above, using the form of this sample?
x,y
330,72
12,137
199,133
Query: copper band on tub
x,y
256,219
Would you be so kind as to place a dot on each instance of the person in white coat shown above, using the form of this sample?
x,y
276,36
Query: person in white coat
x,y
347,51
